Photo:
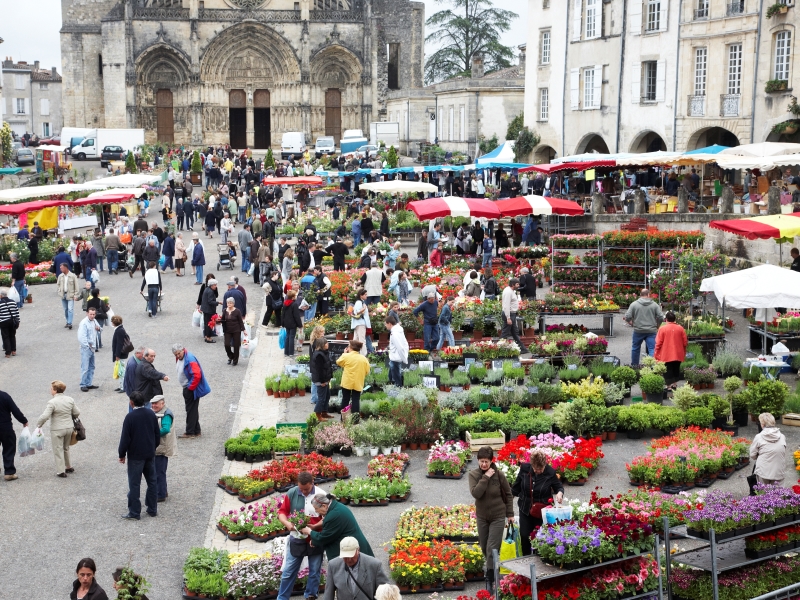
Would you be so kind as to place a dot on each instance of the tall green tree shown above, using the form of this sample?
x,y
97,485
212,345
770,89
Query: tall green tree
x,y
468,27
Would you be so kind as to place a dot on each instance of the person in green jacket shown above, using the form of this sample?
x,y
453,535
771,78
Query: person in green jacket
x,y
338,524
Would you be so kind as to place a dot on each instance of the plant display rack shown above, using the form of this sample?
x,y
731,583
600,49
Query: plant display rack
x,y
590,274
761,341
537,570
715,556
630,265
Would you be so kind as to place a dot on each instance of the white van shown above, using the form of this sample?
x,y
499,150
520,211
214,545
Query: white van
x,y
293,142
73,136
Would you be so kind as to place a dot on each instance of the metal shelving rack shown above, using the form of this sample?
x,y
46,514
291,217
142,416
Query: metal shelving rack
x,y
642,266
534,568
594,269
711,557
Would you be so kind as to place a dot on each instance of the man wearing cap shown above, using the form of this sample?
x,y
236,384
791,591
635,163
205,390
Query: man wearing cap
x,y
430,311
195,386
167,446
238,297
298,500
353,575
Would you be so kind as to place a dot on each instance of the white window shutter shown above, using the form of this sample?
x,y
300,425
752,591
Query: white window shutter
x,y
575,89
636,82
44,107
598,86
661,80
577,18
27,106
636,17
663,15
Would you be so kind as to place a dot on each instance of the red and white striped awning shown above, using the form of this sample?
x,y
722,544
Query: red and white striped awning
x,y
538,205
452,206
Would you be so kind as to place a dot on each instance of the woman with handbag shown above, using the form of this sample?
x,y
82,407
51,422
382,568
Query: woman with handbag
x,y
180,255
536,486
121,347
61,412
273,299
494,506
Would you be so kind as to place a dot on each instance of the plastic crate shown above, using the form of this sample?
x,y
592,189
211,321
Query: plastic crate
x,y
302,426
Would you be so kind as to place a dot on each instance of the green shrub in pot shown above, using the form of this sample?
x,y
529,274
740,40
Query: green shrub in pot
x,y
721,407
732,384
634,418
699,416
652,384
624,376
667,418
685,397
766,396
727,363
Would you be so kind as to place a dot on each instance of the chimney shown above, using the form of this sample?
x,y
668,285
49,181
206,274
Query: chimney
x,y
36,65
477,66
55,72
522,49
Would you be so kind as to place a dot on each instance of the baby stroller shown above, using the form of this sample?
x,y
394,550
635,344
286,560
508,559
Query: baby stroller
x,y
122,260
227,256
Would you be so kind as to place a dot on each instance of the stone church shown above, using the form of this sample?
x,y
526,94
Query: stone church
x,y
237,71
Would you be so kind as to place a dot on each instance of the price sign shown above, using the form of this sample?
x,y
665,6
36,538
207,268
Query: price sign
x,y
534,389
608,359
456,389
377,370
486,392
539,361
431,382
413,367
468,361
441,365
461,368
508,388
572,367
690,355
516,364
497,365
426,365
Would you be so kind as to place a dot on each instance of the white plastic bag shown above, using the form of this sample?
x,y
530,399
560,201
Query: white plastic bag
x,y
247,348
23,443
554,514
252,269
197,319
248,332
13,294
110,314
218,329
37,440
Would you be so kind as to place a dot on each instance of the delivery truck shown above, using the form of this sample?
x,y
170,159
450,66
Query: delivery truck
x,y
385,132
73,136
91,148
352,140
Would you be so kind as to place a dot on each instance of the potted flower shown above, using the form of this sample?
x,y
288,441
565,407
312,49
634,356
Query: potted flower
x,y
196,169
652,386
332,436
778,8
766,396
625,377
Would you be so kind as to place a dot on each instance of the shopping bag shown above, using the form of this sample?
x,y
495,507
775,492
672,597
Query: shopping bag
x,y
282,338
197,319
121,369
13,294
510,546
248,332
162,261
37,440
115,372
252,269
247,348
554,514
218,329
23,443
752,481
109,313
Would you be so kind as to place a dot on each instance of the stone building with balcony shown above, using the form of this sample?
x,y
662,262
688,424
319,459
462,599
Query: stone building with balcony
x,y
237,71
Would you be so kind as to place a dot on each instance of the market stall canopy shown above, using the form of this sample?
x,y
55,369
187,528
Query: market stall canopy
x,y
307,180
11,171
42,191
504,153
538,205
778,227
25,207
53,148
648,159
713,149
766,286
117,195
590,156
398,186
570,166
452,206
127,180
763,149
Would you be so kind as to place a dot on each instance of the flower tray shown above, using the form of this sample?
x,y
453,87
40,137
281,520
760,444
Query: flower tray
x,y
231,536
434,476
227,491
371,503
764,525
579,482
268,537
675,489
470,577
704,483
698,533
724,475
407,590
468,539
785,520
256,497
401,498
453,587
756,554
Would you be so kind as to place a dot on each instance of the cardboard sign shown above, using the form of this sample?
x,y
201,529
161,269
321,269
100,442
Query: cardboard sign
x,y
508,388
486,392
690,355
441,365
468,362
431,382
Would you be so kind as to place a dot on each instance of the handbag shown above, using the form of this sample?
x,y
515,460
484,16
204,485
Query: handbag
x,y
73,439
127,345
80,430
752,481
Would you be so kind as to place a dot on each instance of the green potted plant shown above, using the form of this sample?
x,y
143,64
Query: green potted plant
x,y
721,408
625,376
699,416
653,388
635,420
685,397
776,85
766,396
777,9
196,169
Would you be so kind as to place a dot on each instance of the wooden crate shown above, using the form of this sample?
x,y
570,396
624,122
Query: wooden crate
x,y
791,419
493,443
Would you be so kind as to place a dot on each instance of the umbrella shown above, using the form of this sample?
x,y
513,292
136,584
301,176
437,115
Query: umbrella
x,y
452,206
780,227
763,149
714,149
766,286
569,166
538,205
398,186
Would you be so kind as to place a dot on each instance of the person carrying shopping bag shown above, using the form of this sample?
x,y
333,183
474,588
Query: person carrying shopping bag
x,y
61,412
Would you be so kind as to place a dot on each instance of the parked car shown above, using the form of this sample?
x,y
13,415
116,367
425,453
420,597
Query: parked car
x,y
51,141
24,156
367,151
112,153
325,145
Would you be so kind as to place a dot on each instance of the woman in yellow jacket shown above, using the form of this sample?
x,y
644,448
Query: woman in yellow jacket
x,y
356,368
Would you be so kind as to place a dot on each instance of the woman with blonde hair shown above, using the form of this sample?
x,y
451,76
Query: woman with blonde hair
x,y
60,411
180,255
387,591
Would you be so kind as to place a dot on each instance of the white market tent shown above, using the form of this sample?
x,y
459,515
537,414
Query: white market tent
x,y
137,192
42,191
762,149
502,154
766,286
134,180
398,186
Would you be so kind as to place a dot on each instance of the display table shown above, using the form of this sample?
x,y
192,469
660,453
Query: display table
x,y
77,223
607,329
761,341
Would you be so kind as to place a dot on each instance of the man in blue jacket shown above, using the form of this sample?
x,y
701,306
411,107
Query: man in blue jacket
x,y
430,327
137,444
62,257
195,386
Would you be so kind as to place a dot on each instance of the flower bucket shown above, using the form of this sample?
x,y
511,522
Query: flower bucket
x,y
373,451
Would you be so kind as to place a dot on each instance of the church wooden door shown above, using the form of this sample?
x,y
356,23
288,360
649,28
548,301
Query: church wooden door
x,y
237,111
165,120
261,121
333,114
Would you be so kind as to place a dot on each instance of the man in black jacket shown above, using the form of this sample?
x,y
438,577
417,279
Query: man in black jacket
x,y
527,284
7,437
138,251
321,373
339,250
138,442
148,380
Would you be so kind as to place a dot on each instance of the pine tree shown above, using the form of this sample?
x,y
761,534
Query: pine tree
x,y
196,166
269,160
130,163
391,158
